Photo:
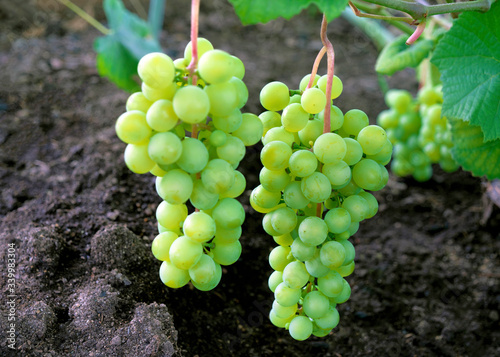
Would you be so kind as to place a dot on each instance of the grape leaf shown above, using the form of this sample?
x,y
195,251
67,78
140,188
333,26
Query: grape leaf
x,y
468,57
472,152
262,11
397,55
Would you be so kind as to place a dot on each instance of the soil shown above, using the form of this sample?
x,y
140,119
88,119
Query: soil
x,y
81,224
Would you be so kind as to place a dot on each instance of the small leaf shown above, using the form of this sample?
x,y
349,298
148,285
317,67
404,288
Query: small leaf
x,y
397,55
468,57
472,152
116,63
262,11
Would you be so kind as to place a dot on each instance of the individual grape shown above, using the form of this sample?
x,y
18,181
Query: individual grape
x,y
331,284
228,213
332,254
313,231
156,69
278,321
293,196
269,120
356,206
354,121
278,134
344,295
305,81
155,94
315,267
201,198
264,198
203,46
218,138
295,275
284,312
354,151
165,148
399,100
230,122
372,139
171,216
285,240
191,104
225,236
312,130
223,98
329,148
303,163
294,117
212,283
383,157
372,204
301,251
316,187
329,320
203,271
199,227
350,253
346,270
274,181
275,155
275,279
250,131
161,116
367,174
337,86
339,173
161,245
286,296
233,151
217,176
137,101
338,220
284,220
238,68
280,257
226,253
216,66
336,117
238,186
172,276
313,100
315,304
274,96
132,128
137,159
300,328
184,252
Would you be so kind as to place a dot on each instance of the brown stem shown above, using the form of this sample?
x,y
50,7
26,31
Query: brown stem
x,y
331,67
315,67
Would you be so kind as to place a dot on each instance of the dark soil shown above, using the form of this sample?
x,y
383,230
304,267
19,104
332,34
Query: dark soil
x,y
427,269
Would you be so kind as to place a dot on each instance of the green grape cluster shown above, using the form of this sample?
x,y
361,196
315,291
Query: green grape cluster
x,y
158,129
313,191
420,135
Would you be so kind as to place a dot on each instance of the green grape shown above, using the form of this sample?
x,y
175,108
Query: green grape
x,y
350,253
212,283
337,86
354,121
264,198
280,257
278,321
286,296
237,187
372,139
274,280
429,95
319,332
156,69
284,220
233,151
137,159
241,91
201,198
293,196
305,81
302,251
294,117
203,46
216,66
353,228
284,312
344,295
329,320
269,120
132,128
410,123
274,96
172,276
157,171
422,174
329,148
338,220
184,252
191,104
315,304
316,187
194,156
315,267
161,116
356,206
336,118
171,216
354,152
275,155
399,100
218,138
229,123
367,174
295,275
338,173
203,271
303,163
383,157
226,253
154,94
238,68
350,189
223,98
372,204
388,119
313,100
161,245
284,239
274,181
165,148
175,187
313,231
250,130
300,328
228,213
137,101
312,130
226,236
278,134
345,270
331,284
332,254
199,227
217,176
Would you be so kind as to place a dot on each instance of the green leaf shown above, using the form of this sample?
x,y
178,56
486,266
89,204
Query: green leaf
x,y
262,11
397,55
468,57
115,62
472,152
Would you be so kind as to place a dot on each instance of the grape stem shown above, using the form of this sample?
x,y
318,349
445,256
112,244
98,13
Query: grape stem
x,y
418,31
195,15
315,67
331,67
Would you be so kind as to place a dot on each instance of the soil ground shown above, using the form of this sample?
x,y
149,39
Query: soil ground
x,y
427,269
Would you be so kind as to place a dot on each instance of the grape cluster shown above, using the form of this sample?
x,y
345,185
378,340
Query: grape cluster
x,y
420,134
199,167
313,191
